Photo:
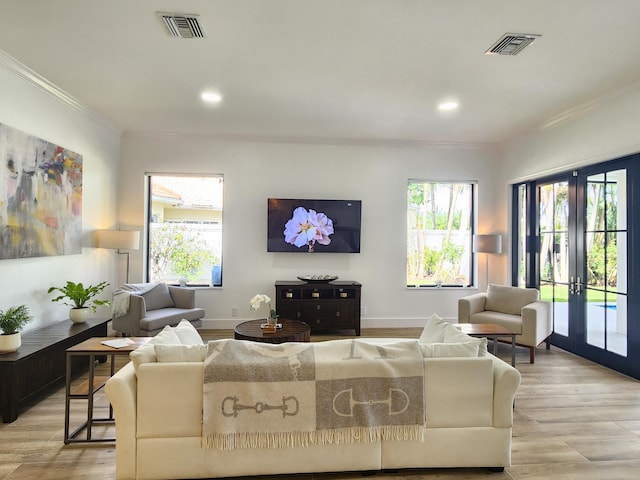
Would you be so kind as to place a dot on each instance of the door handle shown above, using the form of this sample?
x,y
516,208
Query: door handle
x,y
576,287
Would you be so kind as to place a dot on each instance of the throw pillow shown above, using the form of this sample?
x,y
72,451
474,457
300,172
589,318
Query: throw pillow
x,y
454,335
181,353
143,354
158,297
465,349
147,353
166,336
187,333
433,330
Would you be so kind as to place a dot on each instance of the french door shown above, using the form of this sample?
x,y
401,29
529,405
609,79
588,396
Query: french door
x,y
576,247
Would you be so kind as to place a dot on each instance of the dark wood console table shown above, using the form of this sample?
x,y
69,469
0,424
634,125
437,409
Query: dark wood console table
x,y
40,361
323,306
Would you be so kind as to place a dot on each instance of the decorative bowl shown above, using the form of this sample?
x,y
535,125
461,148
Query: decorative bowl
x,y
318,278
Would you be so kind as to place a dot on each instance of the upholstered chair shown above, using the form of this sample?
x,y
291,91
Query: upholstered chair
x,y
518,309
144,309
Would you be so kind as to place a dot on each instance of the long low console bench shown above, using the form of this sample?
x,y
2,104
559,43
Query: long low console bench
x,y
40,361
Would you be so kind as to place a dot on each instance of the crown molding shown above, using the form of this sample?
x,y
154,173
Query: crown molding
x,y
38,81
584,108
332,141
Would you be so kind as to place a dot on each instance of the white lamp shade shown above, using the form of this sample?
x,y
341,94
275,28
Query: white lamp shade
x,y
487,243
118,239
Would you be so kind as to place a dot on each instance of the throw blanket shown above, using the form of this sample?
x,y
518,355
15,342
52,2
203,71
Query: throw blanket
x,y
260,395
120,304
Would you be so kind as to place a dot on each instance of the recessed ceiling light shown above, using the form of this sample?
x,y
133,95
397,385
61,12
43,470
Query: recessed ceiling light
x,y
448,105
211,97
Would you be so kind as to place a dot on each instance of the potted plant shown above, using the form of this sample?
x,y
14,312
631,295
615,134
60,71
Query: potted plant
x,y
11,322
81,299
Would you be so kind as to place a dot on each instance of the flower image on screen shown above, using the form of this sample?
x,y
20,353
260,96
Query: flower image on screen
x,y
296,225
307,227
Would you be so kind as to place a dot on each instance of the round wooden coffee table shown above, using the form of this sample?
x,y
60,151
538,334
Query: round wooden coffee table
x,y
291,331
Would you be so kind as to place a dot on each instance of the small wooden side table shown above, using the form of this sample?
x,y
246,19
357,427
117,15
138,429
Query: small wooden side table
x,y
93,348
493,331
291,331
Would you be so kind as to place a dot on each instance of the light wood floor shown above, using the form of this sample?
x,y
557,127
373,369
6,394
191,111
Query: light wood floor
x,y
574,420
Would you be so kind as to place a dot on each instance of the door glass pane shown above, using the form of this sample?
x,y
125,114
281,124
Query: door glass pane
x,y
616,193
620,265
546,208
561,206
595,203
611,262
522,235
546,257
561,310
617,324
561,257
595,312
595,259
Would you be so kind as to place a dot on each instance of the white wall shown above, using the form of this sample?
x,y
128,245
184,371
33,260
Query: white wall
x,y
28,107
604,129
254,171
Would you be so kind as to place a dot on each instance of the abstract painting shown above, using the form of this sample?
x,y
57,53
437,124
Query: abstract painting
x,y
40,197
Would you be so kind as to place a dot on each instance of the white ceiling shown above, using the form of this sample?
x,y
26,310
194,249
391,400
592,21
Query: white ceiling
x,y
330,70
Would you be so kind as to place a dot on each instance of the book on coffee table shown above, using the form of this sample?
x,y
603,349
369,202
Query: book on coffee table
x,y
117,342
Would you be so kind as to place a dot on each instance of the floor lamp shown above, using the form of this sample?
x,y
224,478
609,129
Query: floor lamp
x,y
487,244
119,240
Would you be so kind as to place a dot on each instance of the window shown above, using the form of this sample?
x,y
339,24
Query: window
x,y
440,220
185,229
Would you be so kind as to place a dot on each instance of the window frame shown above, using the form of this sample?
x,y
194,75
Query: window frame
x,y
467,244
150,216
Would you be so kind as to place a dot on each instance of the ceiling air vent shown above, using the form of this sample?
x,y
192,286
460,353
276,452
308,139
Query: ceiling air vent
x,y
181,25
512,43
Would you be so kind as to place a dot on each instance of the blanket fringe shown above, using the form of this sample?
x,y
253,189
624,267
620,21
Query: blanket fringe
x,y
231,441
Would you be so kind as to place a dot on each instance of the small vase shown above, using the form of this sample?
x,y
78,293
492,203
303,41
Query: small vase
x,y
79,315
271,325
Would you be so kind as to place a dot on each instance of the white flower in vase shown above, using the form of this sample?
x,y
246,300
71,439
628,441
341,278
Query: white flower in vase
x,y
258,300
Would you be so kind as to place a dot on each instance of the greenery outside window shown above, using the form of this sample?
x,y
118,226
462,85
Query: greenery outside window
x,y
520,236
184,229
440,220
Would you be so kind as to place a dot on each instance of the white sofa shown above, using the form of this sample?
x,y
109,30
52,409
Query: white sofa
x,y
158,410
518,309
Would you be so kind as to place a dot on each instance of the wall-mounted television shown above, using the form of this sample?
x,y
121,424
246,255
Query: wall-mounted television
x,y
309,226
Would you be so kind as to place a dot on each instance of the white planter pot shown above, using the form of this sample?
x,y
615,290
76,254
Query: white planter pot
x,y
10,343
79,315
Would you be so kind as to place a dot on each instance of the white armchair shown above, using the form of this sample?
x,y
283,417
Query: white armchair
x,y
518,309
